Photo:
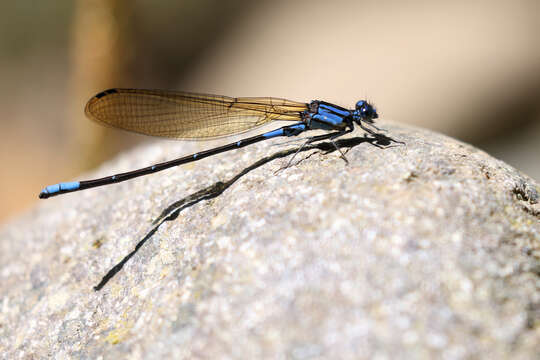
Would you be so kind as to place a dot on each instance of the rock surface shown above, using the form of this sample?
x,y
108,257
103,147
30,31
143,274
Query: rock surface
x,y
428,249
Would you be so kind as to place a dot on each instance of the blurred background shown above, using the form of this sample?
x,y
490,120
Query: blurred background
x,y
469,69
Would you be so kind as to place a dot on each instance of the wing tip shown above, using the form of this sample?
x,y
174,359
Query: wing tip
x,y
87,109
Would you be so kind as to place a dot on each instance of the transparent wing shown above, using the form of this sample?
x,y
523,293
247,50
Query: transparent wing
x,y
184,115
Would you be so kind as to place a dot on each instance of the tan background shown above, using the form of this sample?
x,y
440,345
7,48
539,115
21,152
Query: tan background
x,y
468,69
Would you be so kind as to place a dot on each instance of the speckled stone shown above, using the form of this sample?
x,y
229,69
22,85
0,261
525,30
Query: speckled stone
x,y
428,249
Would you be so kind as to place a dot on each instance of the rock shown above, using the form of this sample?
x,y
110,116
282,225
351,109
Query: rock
x,y
425,249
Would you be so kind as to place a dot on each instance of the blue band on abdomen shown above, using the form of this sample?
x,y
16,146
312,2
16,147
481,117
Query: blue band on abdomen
x,y
271,134
299,126
65,186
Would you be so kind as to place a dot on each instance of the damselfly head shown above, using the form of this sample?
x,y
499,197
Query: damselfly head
x,y
365,112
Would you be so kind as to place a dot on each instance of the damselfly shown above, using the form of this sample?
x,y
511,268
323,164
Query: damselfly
x,y
184,115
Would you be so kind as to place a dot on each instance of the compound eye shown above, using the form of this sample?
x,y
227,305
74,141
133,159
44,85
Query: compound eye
x,y
360,105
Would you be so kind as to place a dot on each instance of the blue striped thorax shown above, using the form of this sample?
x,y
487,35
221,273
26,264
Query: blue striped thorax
x,y
326,116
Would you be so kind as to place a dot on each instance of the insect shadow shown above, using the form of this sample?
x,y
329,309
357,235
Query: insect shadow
x,y
212,191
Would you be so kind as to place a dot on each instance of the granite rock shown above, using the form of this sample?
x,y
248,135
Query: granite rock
x,y
425,249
